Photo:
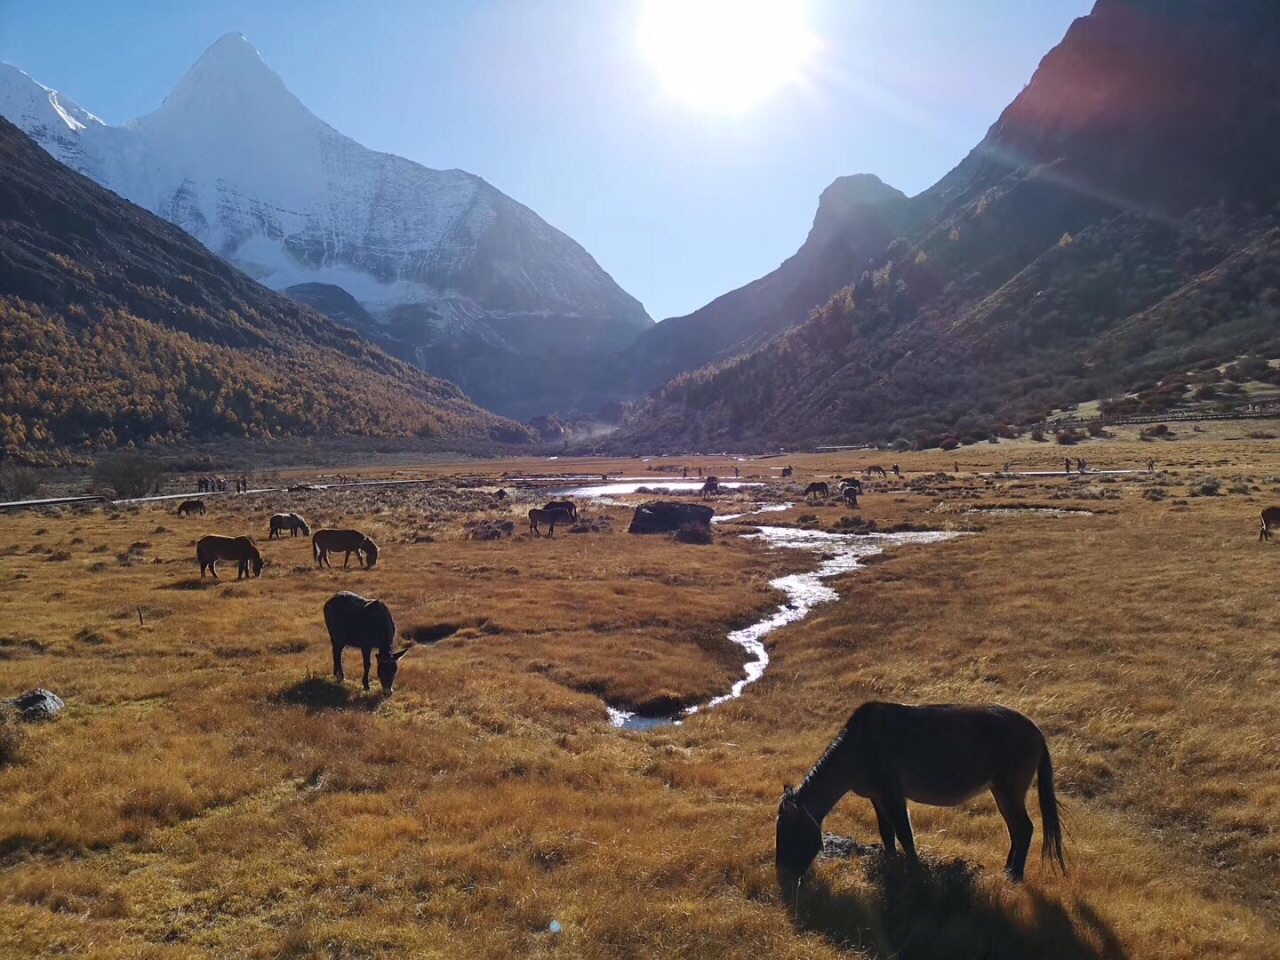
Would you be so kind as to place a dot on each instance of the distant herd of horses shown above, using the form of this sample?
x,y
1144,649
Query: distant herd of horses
x,y
245,553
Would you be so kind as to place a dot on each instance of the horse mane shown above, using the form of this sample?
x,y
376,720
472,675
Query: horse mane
x,y
858,715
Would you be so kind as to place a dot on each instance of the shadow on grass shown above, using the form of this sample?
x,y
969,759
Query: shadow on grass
x,y
429,633
190,583
942,909
324,693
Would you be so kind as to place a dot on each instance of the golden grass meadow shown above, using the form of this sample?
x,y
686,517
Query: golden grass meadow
x,y
211,792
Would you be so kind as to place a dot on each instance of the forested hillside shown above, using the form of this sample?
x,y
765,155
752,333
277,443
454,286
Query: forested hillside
x,y
115,326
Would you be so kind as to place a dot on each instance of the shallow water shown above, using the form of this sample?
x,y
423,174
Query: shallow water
x,y
622,489
804,591
1047,511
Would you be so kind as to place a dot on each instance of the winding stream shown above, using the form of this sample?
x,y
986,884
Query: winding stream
x,y
804,591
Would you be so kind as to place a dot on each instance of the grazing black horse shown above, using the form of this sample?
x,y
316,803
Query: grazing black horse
x,y
817,487
550,518
1270,518
188,507
564,506
354,621
710,488
875,468
850,494
939,754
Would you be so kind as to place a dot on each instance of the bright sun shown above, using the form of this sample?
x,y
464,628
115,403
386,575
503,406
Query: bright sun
x,y
725,56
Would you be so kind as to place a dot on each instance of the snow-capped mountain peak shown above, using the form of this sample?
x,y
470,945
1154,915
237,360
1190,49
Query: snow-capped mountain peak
x,y
236,160
230,90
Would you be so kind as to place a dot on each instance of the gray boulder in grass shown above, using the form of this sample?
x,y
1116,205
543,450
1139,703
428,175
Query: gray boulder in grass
x,y
38,704
665,516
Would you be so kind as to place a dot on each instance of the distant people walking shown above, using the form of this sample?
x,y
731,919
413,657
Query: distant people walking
x,y
1080,465
1067,461
1151,466
737,472
699,471
1006,467
686,473
896,471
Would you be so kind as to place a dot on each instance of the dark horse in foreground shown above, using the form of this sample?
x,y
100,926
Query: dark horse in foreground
x,y
939,754
1270,518
354,621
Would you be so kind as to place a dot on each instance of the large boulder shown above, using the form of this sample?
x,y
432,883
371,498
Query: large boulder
x,y
667,516
38,704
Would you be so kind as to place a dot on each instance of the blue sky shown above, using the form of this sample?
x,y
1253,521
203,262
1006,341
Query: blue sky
x,y
553,102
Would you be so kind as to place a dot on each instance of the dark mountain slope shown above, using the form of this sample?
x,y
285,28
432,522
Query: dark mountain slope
x,y
1115,224
857,217
118,326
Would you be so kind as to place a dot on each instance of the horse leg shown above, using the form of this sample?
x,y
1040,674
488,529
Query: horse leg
x,y
1012,804
897,809
346,559
886,829
366,652
213,568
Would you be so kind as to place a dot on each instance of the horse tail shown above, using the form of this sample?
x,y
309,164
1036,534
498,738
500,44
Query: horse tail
x,y
1052,848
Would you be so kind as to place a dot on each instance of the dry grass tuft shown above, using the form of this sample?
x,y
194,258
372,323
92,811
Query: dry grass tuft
x,y
13,739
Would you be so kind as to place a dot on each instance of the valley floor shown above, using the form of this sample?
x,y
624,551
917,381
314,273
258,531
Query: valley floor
x,y
210,792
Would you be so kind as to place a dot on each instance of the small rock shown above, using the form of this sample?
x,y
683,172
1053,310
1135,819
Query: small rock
x,y
837,847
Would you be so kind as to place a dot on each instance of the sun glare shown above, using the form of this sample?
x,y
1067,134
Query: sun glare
x,y
726,56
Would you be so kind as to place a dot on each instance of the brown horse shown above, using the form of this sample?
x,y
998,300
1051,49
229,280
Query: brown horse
x,y
354,621
875,468
710,488
817,488
1270,518
212,548
550,518
564,505
188,507
850,494
348,541
939,754
288,521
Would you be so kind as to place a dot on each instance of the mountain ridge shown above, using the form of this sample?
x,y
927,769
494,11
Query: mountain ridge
x,y
1115,227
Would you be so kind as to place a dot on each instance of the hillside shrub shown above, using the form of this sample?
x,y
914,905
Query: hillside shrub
x,y
18,482
128,475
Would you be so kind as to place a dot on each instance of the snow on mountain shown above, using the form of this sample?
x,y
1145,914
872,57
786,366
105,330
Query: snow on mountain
x,y
236,160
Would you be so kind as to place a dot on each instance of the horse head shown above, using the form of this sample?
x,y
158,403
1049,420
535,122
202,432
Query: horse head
x,y
306,529
388,664
258,563
798,839
370,552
